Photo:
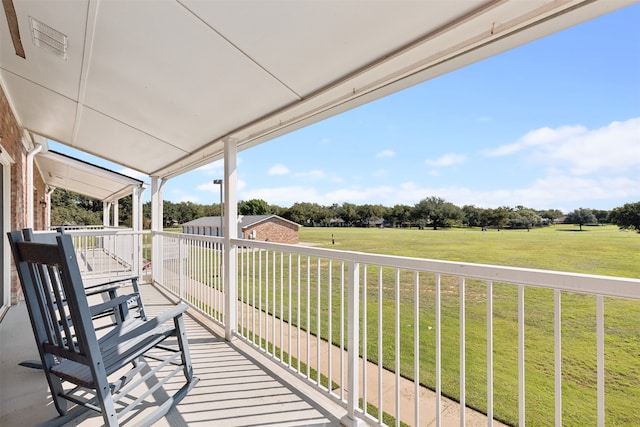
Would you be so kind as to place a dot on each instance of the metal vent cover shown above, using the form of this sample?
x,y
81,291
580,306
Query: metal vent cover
x,y
48,38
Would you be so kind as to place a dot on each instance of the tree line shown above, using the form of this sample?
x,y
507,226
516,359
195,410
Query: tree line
x,y
433,212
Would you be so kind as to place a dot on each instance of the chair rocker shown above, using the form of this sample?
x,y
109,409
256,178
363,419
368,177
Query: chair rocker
x,y
96,372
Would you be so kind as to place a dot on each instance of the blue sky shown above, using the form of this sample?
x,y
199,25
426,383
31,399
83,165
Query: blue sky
x,y
552,124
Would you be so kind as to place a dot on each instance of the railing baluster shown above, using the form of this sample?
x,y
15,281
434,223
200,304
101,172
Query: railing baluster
x,y
557,355
489,353
330,325
298,357
521,355
396,322
342,378
354,339
463,353
289,304
380,347
308,332
600,358
363,308
273,303
416,346
318,328
438,356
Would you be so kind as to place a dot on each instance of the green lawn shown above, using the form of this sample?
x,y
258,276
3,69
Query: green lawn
x,y
597,250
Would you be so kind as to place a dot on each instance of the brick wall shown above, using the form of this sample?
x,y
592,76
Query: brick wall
x,y
273,230
11,143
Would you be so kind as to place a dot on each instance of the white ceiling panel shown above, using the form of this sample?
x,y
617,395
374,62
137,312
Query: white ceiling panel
x,y
182,87
122,144
43,111
161,84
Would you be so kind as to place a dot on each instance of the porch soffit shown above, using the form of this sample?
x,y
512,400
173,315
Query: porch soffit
x,y
61,171
157,86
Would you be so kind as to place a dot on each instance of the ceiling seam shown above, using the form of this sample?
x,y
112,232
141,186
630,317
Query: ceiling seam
x,y
242,52
89,33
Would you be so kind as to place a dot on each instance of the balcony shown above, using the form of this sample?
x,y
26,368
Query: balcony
x,y
303,320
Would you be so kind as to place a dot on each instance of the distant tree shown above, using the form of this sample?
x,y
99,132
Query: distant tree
x,y
254,207
437,212
276,210
498,217
581,216
348,213
368,213
602,216
399,215
69,208
309,214
550,215
627,217
472,216
522,217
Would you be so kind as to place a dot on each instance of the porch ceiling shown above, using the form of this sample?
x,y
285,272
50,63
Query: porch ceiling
x,y
157,86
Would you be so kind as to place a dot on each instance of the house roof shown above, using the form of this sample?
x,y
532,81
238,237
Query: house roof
x,y
244,221
158,86
61,171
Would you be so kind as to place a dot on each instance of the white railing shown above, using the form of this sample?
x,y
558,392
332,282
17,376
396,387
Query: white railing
x,y
501,340
110,253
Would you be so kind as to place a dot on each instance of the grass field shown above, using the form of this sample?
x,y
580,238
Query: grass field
x,y
597,250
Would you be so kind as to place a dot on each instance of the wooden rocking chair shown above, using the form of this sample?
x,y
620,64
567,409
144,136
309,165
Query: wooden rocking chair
x,y
97,373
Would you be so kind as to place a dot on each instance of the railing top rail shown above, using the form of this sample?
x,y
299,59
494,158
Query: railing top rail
x,y
619,287
106,232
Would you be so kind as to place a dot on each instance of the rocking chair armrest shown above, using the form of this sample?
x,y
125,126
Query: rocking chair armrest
x,y
112,304
155,323
110,285
172,313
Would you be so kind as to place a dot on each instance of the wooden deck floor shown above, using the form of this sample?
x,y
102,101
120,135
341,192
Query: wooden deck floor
x,y
234,389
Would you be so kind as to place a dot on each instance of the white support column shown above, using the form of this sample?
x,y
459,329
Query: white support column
x,y
156,226
136,190
106,206
47,199
136,207
116,213
230,232
29,195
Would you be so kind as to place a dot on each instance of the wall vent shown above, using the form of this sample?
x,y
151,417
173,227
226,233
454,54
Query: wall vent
x,y
48,38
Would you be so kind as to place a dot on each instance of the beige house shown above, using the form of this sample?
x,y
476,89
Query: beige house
x,y
268,228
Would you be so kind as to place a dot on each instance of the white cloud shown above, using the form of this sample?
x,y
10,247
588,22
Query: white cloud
x,y
448,159
614,148
278,170
542,136
386,153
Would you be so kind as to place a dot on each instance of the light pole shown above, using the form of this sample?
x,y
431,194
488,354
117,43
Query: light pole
x,y
219,182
